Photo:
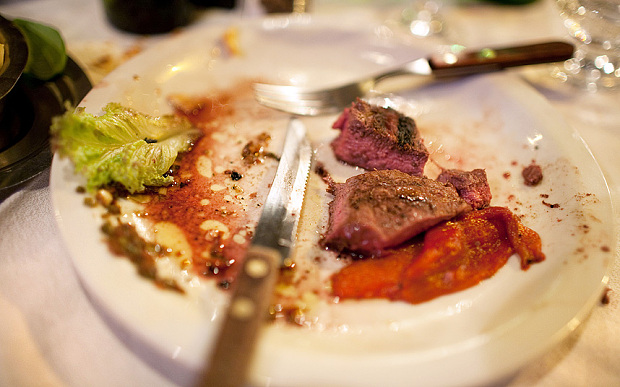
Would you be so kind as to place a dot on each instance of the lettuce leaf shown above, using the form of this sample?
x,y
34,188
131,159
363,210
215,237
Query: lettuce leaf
x,y
122,145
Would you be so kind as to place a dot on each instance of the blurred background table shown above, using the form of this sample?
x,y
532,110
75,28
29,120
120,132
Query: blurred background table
x,y
52,335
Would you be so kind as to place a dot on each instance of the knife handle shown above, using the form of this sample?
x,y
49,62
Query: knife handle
x,y
486,60
232,355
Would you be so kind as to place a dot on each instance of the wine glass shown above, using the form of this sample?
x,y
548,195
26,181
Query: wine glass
x,y
595,27
423,18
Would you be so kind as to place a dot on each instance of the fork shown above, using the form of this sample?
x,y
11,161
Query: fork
x,y
312,102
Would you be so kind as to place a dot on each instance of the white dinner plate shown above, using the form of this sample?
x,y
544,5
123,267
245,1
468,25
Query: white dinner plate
x,y
475,336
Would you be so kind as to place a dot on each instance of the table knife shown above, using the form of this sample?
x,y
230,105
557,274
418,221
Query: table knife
x,y
273,239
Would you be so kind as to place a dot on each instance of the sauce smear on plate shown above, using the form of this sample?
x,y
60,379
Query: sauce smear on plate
x,y
452,256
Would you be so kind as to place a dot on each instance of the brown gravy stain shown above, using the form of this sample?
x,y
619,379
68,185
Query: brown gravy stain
x,y
195,198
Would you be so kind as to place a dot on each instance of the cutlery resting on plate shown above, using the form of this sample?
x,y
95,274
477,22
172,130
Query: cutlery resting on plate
x,y
312,102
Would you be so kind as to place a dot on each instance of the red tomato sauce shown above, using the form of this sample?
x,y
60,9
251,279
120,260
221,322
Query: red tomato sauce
x,y
450,257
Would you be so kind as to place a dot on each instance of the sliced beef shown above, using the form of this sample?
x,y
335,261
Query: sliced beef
x,y
377,138
472,186
380,209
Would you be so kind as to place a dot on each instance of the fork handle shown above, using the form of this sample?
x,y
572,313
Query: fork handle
x,y
487,59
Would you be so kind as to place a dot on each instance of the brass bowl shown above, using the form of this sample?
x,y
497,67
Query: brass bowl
x,y
15,56
14,52
27,106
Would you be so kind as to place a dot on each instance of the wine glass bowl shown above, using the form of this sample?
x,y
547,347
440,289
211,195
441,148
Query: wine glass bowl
x,y
595,27
423,18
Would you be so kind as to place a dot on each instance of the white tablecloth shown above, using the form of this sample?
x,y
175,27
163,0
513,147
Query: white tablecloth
x,y
51,334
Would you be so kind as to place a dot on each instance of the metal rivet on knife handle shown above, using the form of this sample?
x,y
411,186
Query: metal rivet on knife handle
x,y
242,308
256,268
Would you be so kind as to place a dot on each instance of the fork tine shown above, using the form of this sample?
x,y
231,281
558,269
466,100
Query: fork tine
x,y
310,102
291,93
305,108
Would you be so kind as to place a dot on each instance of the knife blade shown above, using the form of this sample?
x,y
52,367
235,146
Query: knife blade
x,y
273,239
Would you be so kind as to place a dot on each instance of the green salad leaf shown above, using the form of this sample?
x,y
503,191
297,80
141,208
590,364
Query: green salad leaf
x,y
122,145
47,56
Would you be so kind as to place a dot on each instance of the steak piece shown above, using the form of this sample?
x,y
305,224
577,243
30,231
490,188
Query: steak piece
x,y
472,186
376,138
380,209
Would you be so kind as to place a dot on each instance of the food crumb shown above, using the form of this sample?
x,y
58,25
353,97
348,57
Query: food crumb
x,y
551,205
230,42
234,175
532,175
605,298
